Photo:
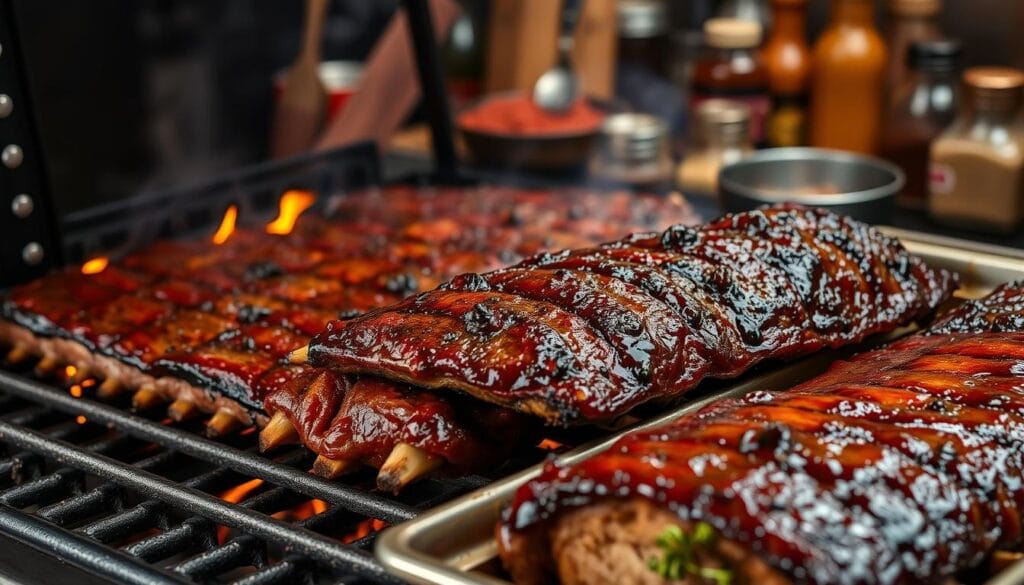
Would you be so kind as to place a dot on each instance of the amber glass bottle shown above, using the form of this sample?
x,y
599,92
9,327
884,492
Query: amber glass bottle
x,y
848,76
907,22
922,108
787,59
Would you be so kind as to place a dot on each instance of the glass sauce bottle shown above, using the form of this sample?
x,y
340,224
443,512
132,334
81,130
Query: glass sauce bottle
x,y
977,166
732,69
923,107
848,76
787,58
908,22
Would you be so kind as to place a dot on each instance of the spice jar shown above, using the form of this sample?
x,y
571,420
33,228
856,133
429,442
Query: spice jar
x,y
923,108
633,149
976,177
721,137
732,69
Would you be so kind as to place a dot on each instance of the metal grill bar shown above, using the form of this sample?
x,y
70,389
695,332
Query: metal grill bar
x,y
301,540
217,453
80,551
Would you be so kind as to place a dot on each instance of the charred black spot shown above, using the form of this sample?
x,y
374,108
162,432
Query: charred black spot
x,y
471,282
261,270
349,314
679,237
249,343
248,314
403,283
481,320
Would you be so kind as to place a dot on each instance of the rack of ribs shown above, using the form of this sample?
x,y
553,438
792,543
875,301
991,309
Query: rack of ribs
x,y
204,327
586,335
902,465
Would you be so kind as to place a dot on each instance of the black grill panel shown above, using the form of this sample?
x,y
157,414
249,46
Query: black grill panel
x,y
131,498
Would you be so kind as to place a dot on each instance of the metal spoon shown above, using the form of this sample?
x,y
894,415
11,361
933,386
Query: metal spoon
x,y
556,90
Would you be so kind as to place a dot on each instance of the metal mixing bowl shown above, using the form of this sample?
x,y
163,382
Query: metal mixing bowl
x,y
860,186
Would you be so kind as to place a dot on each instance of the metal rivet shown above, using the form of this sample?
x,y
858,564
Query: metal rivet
x,y
22,206
32,253
12,156
6,105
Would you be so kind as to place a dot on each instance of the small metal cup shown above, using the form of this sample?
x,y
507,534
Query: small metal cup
x,y
862,187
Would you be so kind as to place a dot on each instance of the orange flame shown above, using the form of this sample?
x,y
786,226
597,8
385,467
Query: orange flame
x,y
234,496
81,420
291,206
76,391
70,371
227,226
95,266
365,528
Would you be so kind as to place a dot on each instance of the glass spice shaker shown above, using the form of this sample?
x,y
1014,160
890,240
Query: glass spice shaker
x,y
976,178
633,150
721,136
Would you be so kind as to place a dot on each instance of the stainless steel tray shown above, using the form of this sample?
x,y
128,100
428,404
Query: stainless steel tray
x,y
454,543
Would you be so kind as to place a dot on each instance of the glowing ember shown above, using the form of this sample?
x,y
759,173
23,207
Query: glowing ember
x,y
227,226
292,204
88,383
549,445
81,420
365,528
70,371
95,266
76,391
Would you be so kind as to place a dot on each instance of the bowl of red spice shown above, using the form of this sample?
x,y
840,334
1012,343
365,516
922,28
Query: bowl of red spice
x,y
508,130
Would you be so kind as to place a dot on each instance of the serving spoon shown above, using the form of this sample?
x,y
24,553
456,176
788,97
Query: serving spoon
x,y
557,89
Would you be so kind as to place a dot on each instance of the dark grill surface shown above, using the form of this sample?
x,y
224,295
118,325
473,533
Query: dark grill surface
x,y
131,499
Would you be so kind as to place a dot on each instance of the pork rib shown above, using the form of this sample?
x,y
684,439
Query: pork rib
x,y
587,335
901,465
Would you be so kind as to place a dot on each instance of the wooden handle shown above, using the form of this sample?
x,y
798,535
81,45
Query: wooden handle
x,y
313,30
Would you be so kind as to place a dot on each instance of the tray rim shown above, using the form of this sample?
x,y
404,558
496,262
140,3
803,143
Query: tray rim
x,y
394,547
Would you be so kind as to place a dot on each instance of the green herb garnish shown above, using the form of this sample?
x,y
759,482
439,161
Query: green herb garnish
x,y
679,554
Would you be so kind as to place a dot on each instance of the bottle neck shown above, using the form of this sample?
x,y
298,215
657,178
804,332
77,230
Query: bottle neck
x,y
860,13
789,20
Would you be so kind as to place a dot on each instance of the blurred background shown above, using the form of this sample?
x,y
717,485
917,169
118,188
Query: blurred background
x,y
136,95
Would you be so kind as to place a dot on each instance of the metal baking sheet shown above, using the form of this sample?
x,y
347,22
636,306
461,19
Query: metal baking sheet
x,y
454,543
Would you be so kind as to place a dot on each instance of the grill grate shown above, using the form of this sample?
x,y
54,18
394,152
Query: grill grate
x,y
130,498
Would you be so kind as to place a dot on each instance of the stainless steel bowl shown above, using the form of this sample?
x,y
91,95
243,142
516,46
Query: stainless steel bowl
x,y
860,186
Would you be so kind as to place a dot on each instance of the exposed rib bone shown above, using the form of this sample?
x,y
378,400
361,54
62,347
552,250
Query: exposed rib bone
x,y
279,431
405,465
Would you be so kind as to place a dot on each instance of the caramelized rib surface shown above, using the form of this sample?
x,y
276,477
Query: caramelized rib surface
x,y
586,335
901,465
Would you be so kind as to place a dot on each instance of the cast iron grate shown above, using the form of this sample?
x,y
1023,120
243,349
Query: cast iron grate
x,y
132,499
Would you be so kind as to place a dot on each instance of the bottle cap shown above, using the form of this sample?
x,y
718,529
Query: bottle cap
x,y
994,78
995,89
937,55
915,7
642,19
732,33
